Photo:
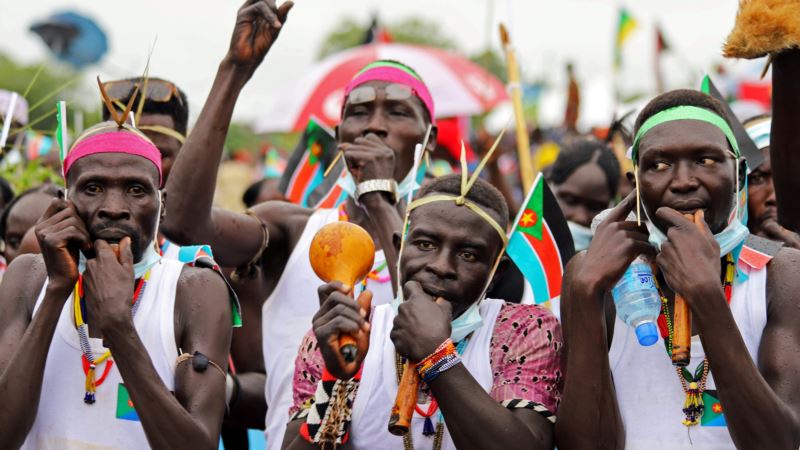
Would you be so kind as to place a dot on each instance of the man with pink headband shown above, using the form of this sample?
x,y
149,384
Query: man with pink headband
x,y
386,113
94,326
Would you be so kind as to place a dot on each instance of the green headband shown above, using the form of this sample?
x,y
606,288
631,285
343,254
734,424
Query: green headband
x,y
386,63
684,112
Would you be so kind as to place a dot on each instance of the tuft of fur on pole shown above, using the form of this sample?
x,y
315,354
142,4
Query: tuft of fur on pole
x,y
763,27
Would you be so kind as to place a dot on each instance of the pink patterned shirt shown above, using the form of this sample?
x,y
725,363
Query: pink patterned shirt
x,y
525,354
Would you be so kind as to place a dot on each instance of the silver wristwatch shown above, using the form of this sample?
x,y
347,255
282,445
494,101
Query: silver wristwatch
x,y
389,186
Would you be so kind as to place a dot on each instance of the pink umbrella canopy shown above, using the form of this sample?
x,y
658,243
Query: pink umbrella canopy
x,y
459,86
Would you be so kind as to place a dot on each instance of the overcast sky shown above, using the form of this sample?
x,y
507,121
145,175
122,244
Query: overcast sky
x,y
193,36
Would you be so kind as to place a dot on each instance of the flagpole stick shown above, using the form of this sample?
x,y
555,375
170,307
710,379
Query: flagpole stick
x,y
515,90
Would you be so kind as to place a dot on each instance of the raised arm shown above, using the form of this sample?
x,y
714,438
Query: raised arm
x,y
190,217
785,137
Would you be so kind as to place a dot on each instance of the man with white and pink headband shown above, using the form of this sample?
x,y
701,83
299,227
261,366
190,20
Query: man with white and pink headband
x,y
386,113
105,344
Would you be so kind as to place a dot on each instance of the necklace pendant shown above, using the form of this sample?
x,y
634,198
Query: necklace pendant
x,y
693,407
428,429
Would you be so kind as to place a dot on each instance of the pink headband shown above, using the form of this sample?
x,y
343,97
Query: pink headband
x,y
114,142
392,75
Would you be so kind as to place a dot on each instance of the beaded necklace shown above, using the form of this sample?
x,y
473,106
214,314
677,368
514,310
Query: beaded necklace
x,y
428,428
88,361
374,273
693,384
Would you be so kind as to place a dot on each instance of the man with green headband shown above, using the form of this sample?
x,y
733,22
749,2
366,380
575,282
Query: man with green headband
x,y
490,370
738,389
386,113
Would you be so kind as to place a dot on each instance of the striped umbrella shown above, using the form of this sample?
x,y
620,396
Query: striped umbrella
x,y
459,87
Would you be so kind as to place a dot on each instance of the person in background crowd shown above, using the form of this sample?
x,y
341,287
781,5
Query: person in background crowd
x,y
584,180
164,115
21,215
762,207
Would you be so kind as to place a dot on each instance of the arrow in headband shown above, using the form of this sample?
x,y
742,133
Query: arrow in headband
x,y
747,147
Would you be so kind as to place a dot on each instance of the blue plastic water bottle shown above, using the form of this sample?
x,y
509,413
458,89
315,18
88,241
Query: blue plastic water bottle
x,y
637,300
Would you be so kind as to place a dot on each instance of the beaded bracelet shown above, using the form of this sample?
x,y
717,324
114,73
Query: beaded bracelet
x,y
442,359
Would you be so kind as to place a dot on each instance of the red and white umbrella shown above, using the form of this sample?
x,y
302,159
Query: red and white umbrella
x,y
459,86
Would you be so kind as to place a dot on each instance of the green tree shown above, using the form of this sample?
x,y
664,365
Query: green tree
x,y
51,84
493,62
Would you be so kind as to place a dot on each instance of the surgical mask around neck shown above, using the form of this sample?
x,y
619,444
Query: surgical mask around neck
x,y
728,239
581,235
460,327
149,258
407,185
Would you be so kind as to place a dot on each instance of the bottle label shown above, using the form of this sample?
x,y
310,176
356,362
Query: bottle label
x,y
645,280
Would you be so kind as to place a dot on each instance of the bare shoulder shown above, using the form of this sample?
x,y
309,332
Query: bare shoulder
x,y
202,286
24,279
202,300
783,281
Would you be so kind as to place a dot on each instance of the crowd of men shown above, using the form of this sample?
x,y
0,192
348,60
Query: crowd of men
x,y
136,314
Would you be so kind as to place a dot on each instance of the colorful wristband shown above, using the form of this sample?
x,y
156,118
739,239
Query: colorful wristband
x,y
441,360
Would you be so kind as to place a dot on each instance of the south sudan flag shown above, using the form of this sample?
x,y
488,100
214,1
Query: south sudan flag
x,y
540,243
713,413
305,168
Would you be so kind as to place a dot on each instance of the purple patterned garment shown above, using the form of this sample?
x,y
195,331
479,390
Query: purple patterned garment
x,y
525,353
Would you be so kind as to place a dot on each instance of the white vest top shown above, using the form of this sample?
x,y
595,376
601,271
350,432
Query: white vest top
x,y
64,421
649,392
378,388
286,318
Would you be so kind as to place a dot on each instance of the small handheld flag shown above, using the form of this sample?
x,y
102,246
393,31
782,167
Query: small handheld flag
x,y
540,243
61,131
305,168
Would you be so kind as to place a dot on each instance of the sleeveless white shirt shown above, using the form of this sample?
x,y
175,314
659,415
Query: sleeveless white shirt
x,y
378,388
649,392
63,421
286,317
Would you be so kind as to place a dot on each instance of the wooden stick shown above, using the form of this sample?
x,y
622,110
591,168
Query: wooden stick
x,y
403,409
527,173
115,249
682,317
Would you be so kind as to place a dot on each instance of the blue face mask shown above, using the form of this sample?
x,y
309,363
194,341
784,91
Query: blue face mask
x,y
409,183
581,236
469,321
149,259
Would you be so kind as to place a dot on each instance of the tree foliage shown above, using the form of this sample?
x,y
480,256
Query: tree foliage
x,y
52,84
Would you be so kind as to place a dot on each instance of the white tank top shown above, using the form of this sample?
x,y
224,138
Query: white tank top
x,y
63,421
378,388
649,392
286,317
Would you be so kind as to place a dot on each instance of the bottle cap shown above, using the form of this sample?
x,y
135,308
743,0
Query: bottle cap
x,y
647,333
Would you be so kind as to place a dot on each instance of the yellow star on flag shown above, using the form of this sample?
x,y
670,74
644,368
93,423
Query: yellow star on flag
x,y
528,219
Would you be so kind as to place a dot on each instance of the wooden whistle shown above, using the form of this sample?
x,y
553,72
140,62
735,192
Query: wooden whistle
x,y
682,316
